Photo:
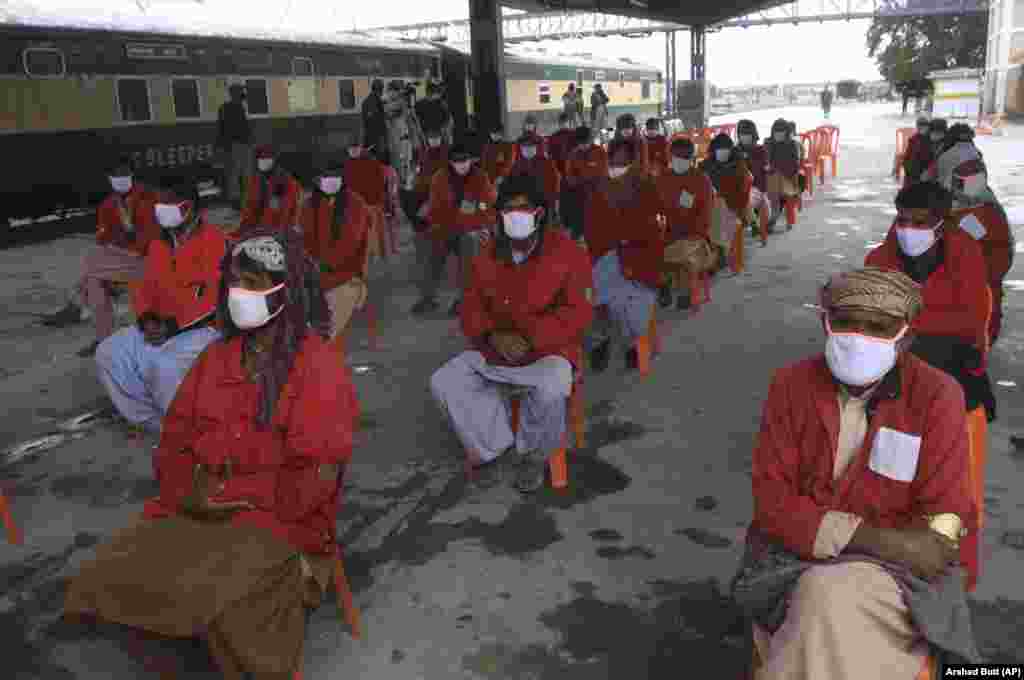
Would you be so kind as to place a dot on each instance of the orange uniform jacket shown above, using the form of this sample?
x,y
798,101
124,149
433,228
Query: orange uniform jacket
x,y
794,458
546,172
657,154
498,158
368,177
344,258
280,209
686,222
735,189
138,207
183,283
996,245
449,215
431,160
559,145
954,295
583,167
213,419
545,299
633,230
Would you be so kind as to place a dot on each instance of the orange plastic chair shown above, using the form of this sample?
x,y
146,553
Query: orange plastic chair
x,y
736,252
558,464
13,532
903,136
829,150
809,142
648,344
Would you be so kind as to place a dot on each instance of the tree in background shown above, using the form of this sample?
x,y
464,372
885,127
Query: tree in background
x,y
908,48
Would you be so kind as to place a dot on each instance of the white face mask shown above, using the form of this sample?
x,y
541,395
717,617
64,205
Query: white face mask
x,y
528,152
627,132
330,185
652,133
746,140
913,241
265,164
169,215
462,167
779,136
434,141
722,155
859,360
617,171
248,308
681,166
121,185
355,151
519,224
495,136
923,131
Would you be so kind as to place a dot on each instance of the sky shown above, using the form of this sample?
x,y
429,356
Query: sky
x,y
735,56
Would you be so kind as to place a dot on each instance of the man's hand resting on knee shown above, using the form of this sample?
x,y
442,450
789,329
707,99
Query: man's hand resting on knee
x,y
512,346
928,554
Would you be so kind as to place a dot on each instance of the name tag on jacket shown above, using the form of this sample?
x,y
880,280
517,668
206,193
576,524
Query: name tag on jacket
x,y
894,454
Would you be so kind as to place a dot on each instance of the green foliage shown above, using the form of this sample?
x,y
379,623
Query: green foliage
x,y
908,48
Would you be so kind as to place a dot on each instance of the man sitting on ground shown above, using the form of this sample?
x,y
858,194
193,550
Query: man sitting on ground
x,y
527,305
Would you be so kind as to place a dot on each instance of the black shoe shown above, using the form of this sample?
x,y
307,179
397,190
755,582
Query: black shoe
x,y
454,309
683,302
632,359
89,350
425,306
600,356
70,315
665,297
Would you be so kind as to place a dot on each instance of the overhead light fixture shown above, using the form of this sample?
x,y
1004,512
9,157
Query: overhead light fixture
x,y
639,3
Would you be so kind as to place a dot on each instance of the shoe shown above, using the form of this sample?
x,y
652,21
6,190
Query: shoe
x,y
89,350
600,356
683,302
425,306
70,315
632,359
665,297
454,309
530,476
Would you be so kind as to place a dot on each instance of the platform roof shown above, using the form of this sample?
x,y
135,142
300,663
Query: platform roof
x,y
686,12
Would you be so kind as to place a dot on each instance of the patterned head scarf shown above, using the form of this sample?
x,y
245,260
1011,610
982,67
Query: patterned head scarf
x,y
873,290
281,255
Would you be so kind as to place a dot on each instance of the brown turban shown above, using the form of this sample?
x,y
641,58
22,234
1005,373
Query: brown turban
x,y
874,290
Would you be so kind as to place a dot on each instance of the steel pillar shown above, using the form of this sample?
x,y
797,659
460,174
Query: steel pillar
x,y
488,63
670,72
698,44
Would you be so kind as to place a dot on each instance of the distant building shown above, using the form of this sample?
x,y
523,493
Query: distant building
x,y
1003,91
957,93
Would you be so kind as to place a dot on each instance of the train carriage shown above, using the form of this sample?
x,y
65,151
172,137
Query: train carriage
x,y
75,99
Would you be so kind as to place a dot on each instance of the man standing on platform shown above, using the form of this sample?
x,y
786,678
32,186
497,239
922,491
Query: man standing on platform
x,y
234,138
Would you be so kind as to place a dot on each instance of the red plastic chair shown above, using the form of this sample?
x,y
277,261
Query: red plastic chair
x,y
903,136
829,150
808,140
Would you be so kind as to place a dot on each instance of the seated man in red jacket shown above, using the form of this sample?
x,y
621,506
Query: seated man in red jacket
x,y
532,161
657,147
241,541
142,366
526,309
952,331
272,198
627,249
460,214
562,142
860,499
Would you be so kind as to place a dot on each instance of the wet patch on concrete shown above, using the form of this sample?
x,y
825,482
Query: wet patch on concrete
x,y
590,477
605,535
104,489
999,630
614,552
601,409
704,538
706,503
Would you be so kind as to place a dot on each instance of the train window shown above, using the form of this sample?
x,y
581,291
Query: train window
x,y
544,91
302,66
43,62
256,96
646,90
133,100
347,94
186,97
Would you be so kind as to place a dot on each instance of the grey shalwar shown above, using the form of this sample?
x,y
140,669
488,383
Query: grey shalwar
x,y
629,304
475,395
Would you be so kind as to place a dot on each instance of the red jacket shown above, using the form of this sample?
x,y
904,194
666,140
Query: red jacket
x,y
138,207
633,230
498,158
586,166
368,177
545,171
758,165
794,458
182,283
918,157
280,209
657,154
546,299
997,244
692,222
447,213
213,420
344,258
559,145
954,295
431,160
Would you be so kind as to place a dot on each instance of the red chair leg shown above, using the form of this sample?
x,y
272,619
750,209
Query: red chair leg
x,y
13,532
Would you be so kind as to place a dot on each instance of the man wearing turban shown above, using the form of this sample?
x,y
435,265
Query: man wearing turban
x,y
861,449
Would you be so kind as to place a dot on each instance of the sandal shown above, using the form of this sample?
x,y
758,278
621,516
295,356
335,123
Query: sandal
x,y
530,477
